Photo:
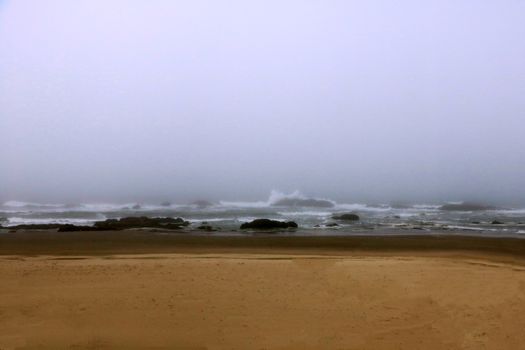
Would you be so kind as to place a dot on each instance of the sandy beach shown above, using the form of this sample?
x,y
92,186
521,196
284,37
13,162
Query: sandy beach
x,y
201,293
262,175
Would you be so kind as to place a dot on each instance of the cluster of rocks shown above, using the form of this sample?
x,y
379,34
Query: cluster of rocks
x,y
346,217
171,224
493,222
267,224
60,227
204,226
112,224
140,222
330,224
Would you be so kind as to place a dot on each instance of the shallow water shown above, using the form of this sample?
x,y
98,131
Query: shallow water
x,y
378,219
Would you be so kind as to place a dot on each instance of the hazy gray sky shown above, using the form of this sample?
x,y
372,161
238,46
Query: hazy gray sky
x,y
353,100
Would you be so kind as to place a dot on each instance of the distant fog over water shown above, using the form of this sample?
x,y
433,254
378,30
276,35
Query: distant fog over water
x,y
352,101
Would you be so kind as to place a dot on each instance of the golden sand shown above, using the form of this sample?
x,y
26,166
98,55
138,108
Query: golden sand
x,y
261,301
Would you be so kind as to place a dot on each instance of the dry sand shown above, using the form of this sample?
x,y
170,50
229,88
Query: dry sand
x,y
298,299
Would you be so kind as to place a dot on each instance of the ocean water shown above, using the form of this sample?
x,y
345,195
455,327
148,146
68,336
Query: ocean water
x,y
375,219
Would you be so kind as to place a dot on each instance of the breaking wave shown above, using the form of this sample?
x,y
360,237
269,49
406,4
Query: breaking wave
x,y
294,206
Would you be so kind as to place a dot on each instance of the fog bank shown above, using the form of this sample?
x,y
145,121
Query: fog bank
x,y
177,100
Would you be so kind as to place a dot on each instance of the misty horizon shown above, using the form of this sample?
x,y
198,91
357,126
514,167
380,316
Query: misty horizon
x,y
241,201
356,102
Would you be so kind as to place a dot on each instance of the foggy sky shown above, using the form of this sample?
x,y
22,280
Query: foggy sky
x,y
350,100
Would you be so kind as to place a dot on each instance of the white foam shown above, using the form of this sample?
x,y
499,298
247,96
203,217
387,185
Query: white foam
x,y
251,218
426,206
245,219
518,211
259,204
360,207
210,219
408,215
275,197
16,204
470,228
305,213
104,206
13,221
21,204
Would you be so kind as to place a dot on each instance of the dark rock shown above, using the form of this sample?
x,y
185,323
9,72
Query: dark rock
x,y
332,224
59,227
166,204
36,227
475,222
264,224
496,222
136,207
346,217
72,228
298,202
466,207
141,222
206,228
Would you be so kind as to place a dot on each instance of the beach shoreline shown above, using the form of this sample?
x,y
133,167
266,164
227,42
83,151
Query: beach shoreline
x,y
140,289
144,241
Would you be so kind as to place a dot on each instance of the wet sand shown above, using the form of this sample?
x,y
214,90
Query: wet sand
x,y
144,290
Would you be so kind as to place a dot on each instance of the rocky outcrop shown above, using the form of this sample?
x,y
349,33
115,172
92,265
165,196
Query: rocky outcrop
x,y
206,228
111,224
35,227
141,222
59,227
300,202
73,228
346,217
267,224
